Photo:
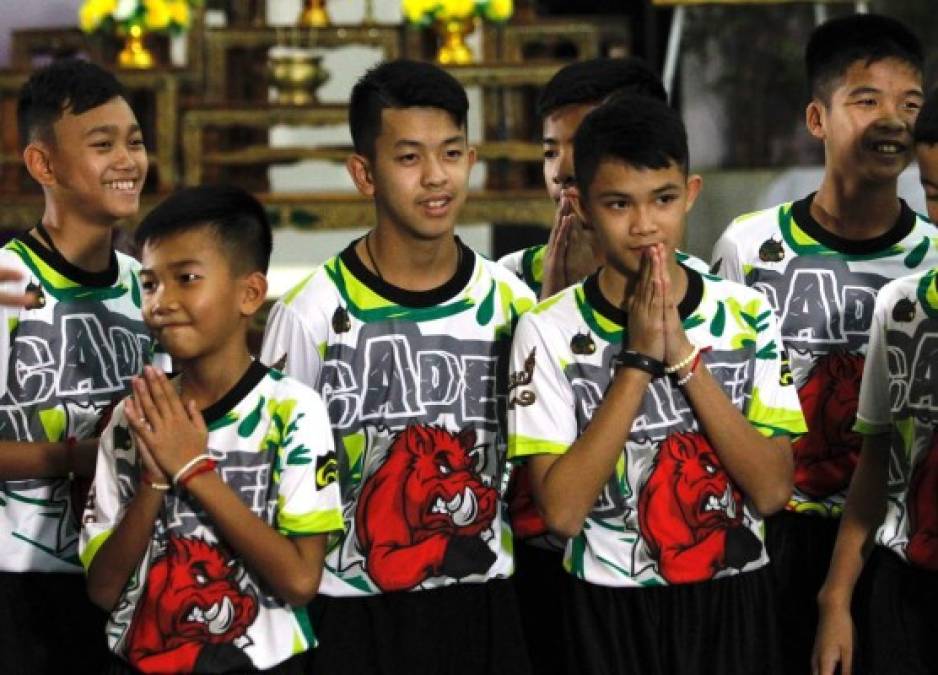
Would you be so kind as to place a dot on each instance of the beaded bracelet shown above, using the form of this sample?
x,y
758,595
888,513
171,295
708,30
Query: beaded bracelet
x,y
162,487
694,353
202,467
188,465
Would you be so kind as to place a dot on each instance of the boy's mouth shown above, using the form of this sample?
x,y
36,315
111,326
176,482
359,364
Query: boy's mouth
x,y
436,205
888,148
125,185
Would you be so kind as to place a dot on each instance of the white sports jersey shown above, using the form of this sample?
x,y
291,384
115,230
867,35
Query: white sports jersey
x,y
670,513
823,289
414,383
192,604
899,396
62,362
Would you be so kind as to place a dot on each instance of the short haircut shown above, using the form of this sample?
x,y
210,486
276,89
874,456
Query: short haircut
x,y
70,85
837,44
401,84
643,132
232,214
926,126
595,80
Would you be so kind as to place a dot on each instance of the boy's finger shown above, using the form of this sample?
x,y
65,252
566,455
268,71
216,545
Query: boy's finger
x,y
137,420
196,416
168,393
143,402
157,392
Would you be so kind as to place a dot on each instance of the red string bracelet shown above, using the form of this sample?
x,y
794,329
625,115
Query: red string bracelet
x,y
204,466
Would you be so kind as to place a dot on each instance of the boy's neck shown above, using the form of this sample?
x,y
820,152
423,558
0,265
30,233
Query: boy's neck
x,y
618,288
853,209
207,379
85,245
408,262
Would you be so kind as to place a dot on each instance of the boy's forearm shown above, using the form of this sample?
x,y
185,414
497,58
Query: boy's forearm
x,y
23,460
274,557
119,556
762,467
567,490
863,513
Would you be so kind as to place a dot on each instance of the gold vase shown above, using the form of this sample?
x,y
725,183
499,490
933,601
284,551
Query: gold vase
x,y
452,37
135,54
296,76
314,14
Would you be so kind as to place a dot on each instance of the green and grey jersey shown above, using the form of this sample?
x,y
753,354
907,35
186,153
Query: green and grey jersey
x,y
670,513
899,397
823,289
63,360
192,604
528,265
414,383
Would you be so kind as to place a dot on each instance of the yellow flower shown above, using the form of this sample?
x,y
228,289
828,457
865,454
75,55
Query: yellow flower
x,y
456,9
499,10
179,13
415,11
157,16
93,12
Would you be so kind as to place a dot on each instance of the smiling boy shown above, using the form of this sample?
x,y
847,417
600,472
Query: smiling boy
x,y
204,534
820,261
64,356
652,407
406,335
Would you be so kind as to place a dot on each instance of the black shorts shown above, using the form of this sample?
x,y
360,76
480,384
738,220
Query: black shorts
x,y
539,579
465,628
720,627
897,634
800,548
295,665
48,625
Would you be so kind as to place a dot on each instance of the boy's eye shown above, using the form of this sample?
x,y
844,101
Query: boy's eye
x,y
454,154
188,277
667,199
136,142
147,285
409,158
617,204
101,144
550,153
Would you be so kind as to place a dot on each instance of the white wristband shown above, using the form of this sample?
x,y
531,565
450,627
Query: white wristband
x,y
188,465
670,370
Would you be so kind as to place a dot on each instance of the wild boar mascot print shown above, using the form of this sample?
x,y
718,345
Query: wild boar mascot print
x,y
193,610
922,549
690,515
422,513
826,456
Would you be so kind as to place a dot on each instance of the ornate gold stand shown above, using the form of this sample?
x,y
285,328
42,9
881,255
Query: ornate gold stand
x,y
314,14
453,48
135,54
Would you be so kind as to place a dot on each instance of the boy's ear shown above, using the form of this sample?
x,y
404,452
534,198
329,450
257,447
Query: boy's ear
x,y
359,168
38,160
694,184
253,293
814,116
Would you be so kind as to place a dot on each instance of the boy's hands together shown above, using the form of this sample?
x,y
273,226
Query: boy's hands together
x,y
172,433
570,255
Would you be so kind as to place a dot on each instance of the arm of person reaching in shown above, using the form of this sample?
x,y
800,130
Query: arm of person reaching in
x,y
566,486
863,513
176,434
762,467
20,460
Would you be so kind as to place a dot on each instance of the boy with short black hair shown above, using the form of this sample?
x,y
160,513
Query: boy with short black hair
x,y
653,408
65,356
896,477
406,334
926,152
820,261
204,534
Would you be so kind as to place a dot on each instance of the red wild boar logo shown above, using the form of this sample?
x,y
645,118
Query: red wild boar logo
x,y
691,515
826,456
422,513
191,612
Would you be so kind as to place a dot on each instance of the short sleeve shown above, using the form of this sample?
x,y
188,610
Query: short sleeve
x,y
112,488
873,410
725,260
9,316
774,409
308,501
541,406
290,346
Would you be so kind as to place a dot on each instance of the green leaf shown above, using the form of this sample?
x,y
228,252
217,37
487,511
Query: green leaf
x,y
719,320
249,424
487,309
917,254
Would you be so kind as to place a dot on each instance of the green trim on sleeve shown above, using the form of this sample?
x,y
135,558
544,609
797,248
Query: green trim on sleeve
x,y
770,421
314,522
866,428
91,550
525,446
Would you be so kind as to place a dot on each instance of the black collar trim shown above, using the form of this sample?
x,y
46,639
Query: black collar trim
x,y
689,303
251,378
801,212
57,261
404,297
